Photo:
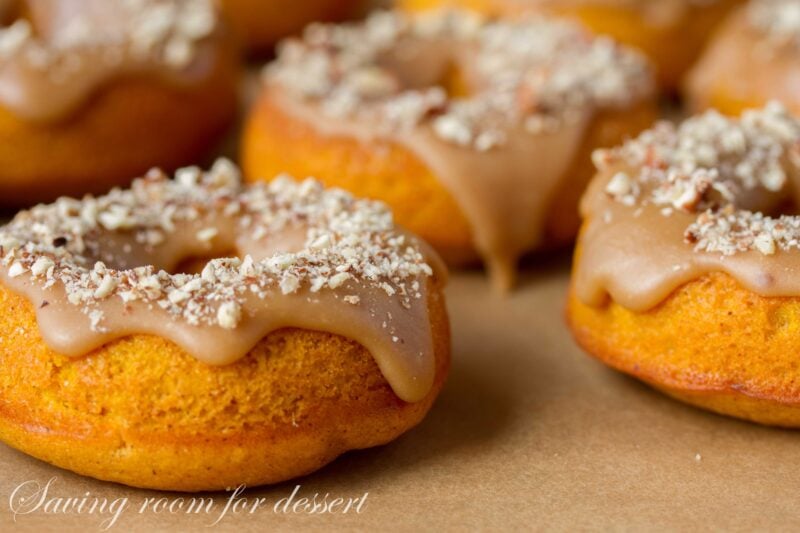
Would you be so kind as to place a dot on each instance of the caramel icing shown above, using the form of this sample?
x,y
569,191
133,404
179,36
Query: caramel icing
x,y
677,203
97,270
502,152
486,185
52,62
765,33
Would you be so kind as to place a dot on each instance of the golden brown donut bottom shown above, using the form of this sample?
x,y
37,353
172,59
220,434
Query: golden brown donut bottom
x,y
711,343
142,412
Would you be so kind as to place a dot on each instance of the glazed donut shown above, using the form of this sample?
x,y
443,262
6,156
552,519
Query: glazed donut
x,y
262,23
671,32
753,59
93,92
326,333
477,133
685,274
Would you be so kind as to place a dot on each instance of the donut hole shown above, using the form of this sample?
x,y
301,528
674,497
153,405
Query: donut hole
x,y
196,263
189,263
423,66
186,250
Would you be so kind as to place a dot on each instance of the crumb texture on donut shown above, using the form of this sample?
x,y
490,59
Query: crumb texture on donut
x,y
712,343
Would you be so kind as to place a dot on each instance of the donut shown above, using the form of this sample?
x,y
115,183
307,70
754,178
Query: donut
x,y
262,23
197,334
671,32
93,92
753,59
477,133
686,270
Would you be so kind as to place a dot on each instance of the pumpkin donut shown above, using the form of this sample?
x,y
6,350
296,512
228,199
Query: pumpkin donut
x,y
671,32
93,92
686,273
326,333
753,59
262,23
477,133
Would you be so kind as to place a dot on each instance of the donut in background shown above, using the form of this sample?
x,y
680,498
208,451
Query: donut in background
x,y
476,132
752,59
93,92
672,33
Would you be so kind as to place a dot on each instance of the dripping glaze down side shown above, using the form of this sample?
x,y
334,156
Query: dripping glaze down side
x,y
636,255
681,201
496,109
486,185
289,276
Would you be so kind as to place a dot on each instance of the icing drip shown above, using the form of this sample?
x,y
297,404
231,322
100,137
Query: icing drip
x,y
312,258
53,61
677,203
502,152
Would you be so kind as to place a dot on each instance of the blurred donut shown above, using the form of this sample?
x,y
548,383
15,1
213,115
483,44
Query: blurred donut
x,y
671,32
477,133
93,92
754,58
262,23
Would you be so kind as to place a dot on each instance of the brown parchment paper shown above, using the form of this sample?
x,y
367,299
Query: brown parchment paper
x,y
529,433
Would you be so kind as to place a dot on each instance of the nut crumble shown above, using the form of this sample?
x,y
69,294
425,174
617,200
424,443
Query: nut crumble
x,y
347,241
705,166
164,32
536,72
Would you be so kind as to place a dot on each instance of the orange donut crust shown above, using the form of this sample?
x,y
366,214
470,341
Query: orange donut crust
x,y
727,103
711,343
276,142
673,48
126,128
724,100
262,23
142,412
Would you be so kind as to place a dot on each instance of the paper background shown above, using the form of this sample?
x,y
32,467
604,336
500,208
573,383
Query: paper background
x,y
529,433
